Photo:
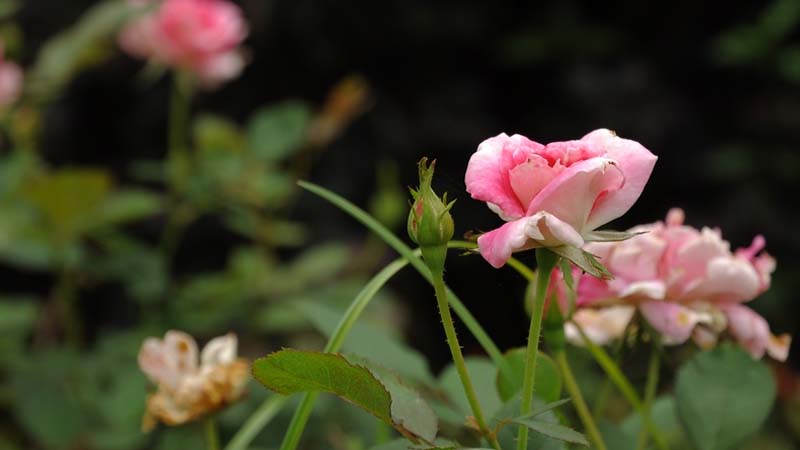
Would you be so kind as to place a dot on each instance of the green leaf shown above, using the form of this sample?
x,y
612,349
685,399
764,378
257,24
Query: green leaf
x,y
369,341
409,411
276,131
17,318
46,405
548,379
68,198
482,372
583,259
723,396
127,205
609,236
553,430
625,435
508,434
217,134
290,371
376,391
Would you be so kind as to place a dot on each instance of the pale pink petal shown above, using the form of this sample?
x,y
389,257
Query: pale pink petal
x,y
755,248
182,349
675,217
752,332
635,162
765,265
568,153
673,321
220,350
487,177
550,231
529,178
539,230
572,193
686,261
727,278
638,258
221,68
601,326
643,290
694,256
153,363
167,361
497,245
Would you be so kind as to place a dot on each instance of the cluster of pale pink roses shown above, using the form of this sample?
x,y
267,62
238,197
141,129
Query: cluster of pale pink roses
x,y
198,36
685,282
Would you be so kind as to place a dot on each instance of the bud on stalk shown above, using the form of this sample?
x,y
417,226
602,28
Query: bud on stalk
x,y
429,223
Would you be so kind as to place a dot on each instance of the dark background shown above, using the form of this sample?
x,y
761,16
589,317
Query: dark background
x,y
712,88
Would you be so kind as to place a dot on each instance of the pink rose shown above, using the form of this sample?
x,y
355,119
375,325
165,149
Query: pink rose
x,y
554,195
686,283
197,35
11,79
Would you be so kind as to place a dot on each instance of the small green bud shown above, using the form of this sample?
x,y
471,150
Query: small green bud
x,y
430,224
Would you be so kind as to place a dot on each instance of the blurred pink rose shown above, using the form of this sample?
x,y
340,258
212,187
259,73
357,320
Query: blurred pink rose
x,y
686,283
11,79
553,195
197,35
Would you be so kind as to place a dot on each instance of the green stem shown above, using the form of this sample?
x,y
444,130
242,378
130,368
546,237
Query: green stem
x,y
458,358
577,399
177,158
65,300
653,368
179,111
614,373
546,261
605,390
256,422
212,436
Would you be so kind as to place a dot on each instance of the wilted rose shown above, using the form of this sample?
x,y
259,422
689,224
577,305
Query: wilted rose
x,y
188,389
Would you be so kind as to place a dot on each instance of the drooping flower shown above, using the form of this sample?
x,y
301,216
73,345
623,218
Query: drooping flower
x,y
201,36
11,79
553,195
687,283
188,389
